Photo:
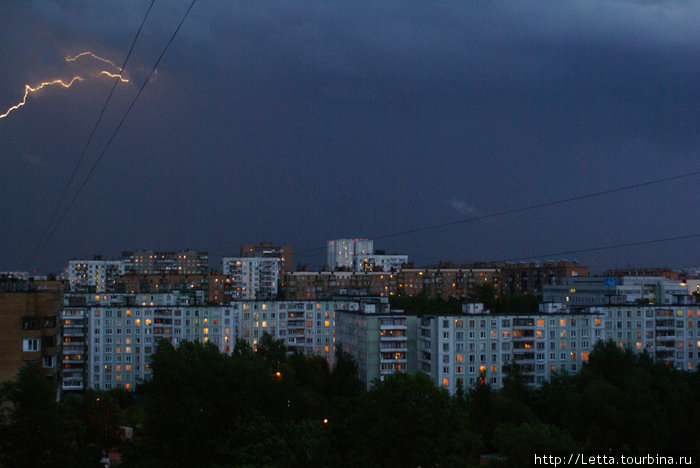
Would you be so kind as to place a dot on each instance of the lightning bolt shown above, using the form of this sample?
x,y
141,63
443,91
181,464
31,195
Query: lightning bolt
x,y
96,57
28,90
114,75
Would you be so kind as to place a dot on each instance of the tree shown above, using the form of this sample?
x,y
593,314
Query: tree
x,y
35,430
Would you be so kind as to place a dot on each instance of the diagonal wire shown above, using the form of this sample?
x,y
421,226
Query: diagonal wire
x,y
97,124
114,134
497,214
596,249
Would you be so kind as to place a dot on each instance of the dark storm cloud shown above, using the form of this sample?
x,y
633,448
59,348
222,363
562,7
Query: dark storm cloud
x,y
302,121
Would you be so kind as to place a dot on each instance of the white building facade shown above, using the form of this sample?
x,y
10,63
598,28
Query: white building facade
x,y
343,252
109,339
253,277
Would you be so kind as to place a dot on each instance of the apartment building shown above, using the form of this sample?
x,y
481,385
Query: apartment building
x,y
380,340
532,277
252,277
94,275
108,339
458,350
183,262
668,333
599,290
216,286
445,283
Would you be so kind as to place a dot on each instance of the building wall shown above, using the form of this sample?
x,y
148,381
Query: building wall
x,y
29,332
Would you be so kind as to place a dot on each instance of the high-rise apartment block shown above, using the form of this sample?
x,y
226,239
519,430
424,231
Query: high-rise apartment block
x,y
342,253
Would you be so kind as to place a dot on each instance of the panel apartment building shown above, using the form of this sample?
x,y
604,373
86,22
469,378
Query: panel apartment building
x,y
108,339
252,277
382,341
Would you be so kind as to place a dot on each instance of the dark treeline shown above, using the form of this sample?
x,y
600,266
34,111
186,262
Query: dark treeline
x,y
270,408
486,294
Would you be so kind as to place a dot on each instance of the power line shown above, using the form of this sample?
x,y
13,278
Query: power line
x,y
97,123
114,134
497,214
595,249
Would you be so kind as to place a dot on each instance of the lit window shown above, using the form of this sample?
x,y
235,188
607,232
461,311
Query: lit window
x,y
445,382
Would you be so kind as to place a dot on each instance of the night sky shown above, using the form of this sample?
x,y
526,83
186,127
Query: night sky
x,y
296,122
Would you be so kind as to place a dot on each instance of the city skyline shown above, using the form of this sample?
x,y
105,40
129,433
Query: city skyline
x,y
298,123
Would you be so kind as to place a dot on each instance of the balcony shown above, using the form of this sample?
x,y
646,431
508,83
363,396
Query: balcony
x,y
73,348
73,385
